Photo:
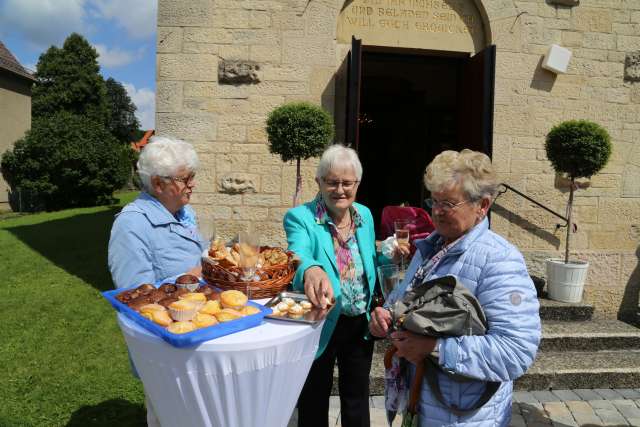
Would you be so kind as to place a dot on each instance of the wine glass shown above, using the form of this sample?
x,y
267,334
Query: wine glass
x,y
249,251
389,277
207,229
402,235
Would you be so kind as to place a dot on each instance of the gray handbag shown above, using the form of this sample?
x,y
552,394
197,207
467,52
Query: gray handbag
x,y
443,307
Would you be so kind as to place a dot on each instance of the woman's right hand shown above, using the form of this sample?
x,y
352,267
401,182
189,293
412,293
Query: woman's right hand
x,y
380,322
400,252
317,287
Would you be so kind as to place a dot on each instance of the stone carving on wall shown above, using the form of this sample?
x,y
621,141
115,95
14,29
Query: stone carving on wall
x,y
564,2
237,183
632,66
238,72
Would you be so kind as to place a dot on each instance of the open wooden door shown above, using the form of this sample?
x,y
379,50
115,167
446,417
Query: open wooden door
x,y
476,101
353,94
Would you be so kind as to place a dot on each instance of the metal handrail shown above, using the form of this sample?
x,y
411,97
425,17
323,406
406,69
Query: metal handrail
x,y
507,187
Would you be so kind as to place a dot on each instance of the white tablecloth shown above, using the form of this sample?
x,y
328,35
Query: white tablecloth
x,y
250,378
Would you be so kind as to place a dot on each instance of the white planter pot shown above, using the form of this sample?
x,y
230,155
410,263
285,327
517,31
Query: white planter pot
x,y
565,282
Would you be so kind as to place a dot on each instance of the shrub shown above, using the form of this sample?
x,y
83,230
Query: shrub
x,y
577,148
296,131
67,160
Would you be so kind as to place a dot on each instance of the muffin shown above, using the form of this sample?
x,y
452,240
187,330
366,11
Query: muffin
x,y
248,310
161,318
228,314
188,281
202,320
181,327
211,307
151,308
137,303
196,297
156,295
124,297
233,299
182,310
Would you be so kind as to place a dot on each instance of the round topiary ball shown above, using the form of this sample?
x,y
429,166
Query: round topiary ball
x,y
579,148
299,130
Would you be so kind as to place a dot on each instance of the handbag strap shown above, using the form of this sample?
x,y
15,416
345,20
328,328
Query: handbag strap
x,y
416,385
434,385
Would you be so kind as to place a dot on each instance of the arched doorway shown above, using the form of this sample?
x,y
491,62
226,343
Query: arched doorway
x,y
419,79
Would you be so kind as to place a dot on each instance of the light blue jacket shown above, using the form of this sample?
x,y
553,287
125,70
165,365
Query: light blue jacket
x,y
313,243
149,244
495,272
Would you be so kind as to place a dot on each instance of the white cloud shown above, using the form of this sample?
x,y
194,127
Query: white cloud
x,y
145,100
137,17
116,57
42,22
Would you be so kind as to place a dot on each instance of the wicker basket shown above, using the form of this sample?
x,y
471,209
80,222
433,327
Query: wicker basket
x,y
273,280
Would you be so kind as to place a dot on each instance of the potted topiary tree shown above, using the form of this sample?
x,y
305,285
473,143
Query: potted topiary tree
x,y
576,149
296,131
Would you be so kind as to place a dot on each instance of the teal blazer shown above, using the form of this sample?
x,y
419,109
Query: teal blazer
x,y
313,243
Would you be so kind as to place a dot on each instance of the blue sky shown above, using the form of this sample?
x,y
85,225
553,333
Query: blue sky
x,y
122,31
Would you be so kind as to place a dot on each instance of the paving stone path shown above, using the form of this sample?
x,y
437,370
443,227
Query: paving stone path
x,y
557,408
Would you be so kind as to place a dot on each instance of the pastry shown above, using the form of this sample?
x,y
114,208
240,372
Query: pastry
x,y
196,297
228,314
149,308
206,289
182,310
181,327
274,256
248,310
166,302
211,307
156,295
202,320
145,288
233,299
306,305
288,301
138,302
296,311
283,307
168,288
124,296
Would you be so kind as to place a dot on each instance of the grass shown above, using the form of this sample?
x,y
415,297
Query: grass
x,y
62,356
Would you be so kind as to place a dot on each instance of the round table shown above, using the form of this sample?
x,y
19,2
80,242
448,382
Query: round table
x,y
250,378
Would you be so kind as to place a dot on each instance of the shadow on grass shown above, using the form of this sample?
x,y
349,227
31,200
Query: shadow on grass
x,y
77,244
114,412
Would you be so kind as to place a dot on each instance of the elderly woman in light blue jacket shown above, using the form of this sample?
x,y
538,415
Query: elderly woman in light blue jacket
x,y
463,186
156,235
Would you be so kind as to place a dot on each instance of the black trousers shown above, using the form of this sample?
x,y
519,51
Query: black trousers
x,y
353,353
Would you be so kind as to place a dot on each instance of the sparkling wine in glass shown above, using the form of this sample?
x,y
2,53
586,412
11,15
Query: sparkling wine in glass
x,y
402,235
389,277
249,251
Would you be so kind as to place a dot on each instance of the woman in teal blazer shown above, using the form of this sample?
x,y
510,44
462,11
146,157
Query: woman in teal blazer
x,y
335,240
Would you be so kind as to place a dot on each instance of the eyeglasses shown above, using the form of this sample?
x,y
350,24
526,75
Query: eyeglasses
x,y
187,180
332,184
444,205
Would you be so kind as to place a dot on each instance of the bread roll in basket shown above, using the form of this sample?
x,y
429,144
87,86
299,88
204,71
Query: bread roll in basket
x,y
277,267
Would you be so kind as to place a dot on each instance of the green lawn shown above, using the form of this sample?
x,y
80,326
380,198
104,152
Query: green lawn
x,y
63,360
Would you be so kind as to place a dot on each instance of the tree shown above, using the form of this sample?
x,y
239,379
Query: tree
x,y
579,149
122,122
299,130
69,79
67,160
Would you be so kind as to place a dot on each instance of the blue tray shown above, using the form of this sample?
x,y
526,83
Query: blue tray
x,y
190,339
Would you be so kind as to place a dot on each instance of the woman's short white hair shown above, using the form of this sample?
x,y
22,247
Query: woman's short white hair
x,y
471,169
165,156
337,156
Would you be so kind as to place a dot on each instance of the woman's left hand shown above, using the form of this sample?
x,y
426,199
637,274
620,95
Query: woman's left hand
x,y
413,347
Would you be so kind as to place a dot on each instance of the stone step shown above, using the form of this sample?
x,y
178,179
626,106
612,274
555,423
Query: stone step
x,y
592,335
555,310
582,370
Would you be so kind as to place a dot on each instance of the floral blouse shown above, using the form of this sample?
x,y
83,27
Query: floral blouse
x,y
353,281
